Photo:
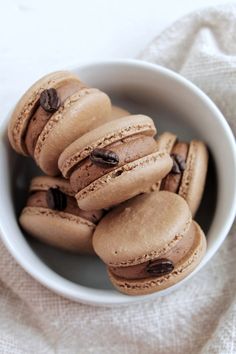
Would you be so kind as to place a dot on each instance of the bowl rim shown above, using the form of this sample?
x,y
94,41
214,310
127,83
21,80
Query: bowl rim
x,y
86,295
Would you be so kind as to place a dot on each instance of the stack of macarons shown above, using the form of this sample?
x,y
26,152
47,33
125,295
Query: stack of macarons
x,y
110,188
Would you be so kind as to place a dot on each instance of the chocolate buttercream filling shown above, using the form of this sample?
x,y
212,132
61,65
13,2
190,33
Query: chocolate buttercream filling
x,y
40,116
173,256
172,181
128,149
39,199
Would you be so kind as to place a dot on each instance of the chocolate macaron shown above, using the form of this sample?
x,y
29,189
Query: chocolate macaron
x,y
54,112
188,174
149,243
52,215
114,162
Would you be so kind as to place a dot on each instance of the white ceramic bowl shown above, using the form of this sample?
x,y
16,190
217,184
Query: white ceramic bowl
x,y
176,105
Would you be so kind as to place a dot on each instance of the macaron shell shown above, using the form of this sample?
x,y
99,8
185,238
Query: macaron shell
x,y
43,183
141,229
118,112
81,112
154,284
166,142
194,176
58,229
125,182
104,136
24,108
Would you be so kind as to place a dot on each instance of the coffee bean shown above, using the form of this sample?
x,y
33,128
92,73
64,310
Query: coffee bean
x,y
49,100
160,267
179,164
104,158
56,199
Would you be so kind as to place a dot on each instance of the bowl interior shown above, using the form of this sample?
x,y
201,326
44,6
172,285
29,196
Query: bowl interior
x,y
175,106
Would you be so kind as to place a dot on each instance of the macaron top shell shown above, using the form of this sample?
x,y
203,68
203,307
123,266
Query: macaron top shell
x,y
43,183
103,136
25,107
142,229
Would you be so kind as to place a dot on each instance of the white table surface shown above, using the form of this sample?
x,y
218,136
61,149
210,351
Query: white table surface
x,y
46,35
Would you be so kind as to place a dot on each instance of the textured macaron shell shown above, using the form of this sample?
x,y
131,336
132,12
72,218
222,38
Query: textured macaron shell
x,y
103,136
81,112
118,112
124,182
141,229
26,105
181,270
194,176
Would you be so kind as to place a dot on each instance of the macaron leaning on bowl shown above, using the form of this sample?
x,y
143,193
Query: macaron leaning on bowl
x,y
188,174
52,113
114,162
149,243
51,215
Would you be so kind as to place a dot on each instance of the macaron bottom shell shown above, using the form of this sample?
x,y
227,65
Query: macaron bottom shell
x,y
59,229
154,284
124,182
127,150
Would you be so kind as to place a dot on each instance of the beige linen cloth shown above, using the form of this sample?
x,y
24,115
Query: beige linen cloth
x,y
198,318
